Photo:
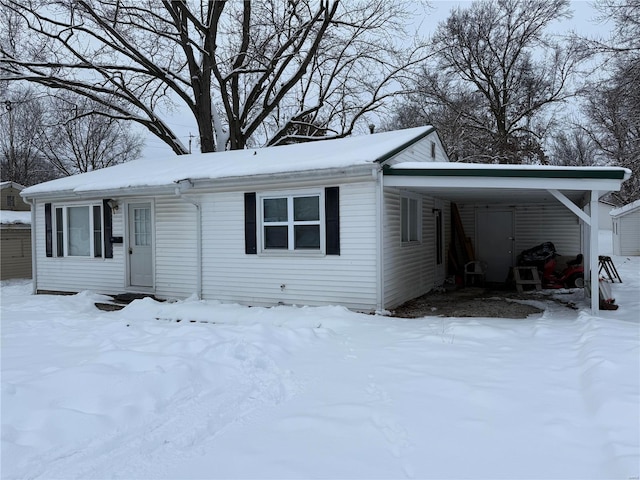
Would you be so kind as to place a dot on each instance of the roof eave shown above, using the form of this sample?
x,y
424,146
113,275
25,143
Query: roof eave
x,y
225,183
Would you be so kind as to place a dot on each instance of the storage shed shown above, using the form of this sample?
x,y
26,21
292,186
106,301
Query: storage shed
x,y
626,229
15,244
15,230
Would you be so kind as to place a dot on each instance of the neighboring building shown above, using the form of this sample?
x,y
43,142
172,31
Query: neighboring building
x,y
363,222
626,229
15,233
10,198
605,220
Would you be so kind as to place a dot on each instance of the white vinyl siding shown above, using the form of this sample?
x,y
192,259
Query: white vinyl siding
x,y
349,279
533,224
421,151
409,268
176,249
626,233
75,274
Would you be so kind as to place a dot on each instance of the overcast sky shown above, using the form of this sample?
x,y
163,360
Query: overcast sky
x,y
583,22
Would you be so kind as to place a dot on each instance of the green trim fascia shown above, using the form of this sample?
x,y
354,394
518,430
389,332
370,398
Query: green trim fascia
x,y
397,150
491,173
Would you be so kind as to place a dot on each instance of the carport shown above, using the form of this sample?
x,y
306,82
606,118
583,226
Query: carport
x,y
575,188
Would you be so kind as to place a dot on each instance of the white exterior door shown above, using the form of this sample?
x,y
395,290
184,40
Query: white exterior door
x,y
495,242
140,245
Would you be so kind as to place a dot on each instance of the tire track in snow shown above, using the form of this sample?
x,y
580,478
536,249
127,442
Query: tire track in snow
x,y
188,421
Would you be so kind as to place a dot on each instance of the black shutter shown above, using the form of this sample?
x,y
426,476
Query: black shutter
x,y
332,219
48,230
250,224
108,229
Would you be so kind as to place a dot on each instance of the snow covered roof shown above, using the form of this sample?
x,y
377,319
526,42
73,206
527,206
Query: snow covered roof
x,y
629,207
469,182
302,157
15,185
10,217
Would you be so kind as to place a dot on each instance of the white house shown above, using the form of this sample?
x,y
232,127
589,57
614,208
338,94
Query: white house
x,y
626,229
362,221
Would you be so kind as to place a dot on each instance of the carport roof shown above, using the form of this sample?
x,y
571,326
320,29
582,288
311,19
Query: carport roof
x,y
493,183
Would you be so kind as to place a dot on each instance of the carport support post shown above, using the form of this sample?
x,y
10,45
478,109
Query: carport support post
x,y
593,252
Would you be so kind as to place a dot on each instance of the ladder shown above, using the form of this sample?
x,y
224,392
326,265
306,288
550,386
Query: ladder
x,y
532,278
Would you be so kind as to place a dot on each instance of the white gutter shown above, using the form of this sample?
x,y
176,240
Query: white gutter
x,y
184,185
377,174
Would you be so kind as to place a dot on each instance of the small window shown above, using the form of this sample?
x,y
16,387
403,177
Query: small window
x,y
11,201
410,219
291,222
78,231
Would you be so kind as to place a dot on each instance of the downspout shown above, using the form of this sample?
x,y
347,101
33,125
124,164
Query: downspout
x,y
377,174
34,264
184,185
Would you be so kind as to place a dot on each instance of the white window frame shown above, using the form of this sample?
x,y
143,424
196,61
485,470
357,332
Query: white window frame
x,y
406,229
291,223
65,230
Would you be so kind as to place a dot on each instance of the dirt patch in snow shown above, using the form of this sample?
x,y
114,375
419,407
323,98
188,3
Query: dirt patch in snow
x,y
475,302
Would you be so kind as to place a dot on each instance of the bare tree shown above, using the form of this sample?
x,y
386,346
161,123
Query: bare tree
x,y
21,114
496,54
625,34
573,146
612,98
249,73
79,136
457,113
613,109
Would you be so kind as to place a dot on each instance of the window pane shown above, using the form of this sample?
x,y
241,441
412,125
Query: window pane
x,y
97,232
59,233
275,209
413,220
142,226
306,209
79,231
307,236
276,237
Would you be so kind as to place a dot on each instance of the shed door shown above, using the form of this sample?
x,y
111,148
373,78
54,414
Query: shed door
x,y
140,245
495,242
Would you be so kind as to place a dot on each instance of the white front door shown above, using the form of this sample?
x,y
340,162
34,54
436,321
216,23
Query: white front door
x,y
495,241
140,245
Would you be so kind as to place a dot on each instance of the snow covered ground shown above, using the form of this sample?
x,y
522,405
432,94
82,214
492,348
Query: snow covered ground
x,y
236,392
